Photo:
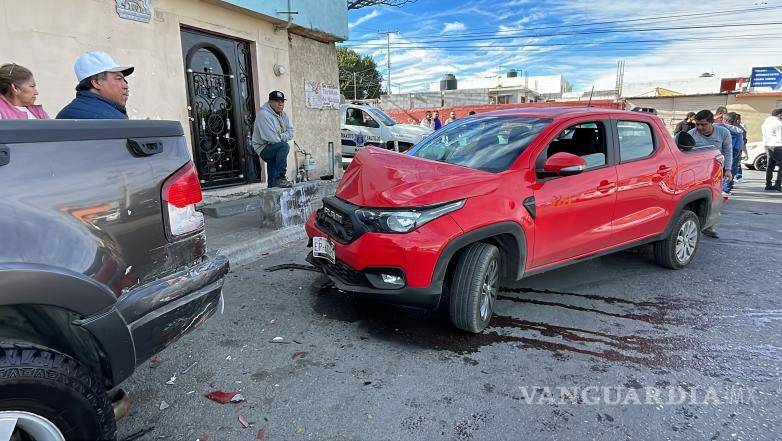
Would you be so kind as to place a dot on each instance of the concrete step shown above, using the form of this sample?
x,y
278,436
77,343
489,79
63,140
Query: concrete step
x,y
232,208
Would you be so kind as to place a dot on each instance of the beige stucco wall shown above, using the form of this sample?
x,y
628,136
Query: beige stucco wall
x,y
49,41
753,111
314,128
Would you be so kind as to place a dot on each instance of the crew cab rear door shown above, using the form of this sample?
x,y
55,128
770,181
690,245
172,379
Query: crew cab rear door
x,y
645,179
574,213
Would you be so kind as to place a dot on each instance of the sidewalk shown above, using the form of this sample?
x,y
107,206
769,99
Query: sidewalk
x,y
241,239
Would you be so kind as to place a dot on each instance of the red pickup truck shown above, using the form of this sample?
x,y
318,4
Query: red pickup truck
x,y
508,194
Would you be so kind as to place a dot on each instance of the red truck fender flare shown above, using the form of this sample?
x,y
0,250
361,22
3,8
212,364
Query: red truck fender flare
x,y
695,195
509,237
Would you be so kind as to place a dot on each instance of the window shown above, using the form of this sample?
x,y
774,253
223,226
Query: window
x,y
489,144
503,99
382,116
586,140
635,140
358,117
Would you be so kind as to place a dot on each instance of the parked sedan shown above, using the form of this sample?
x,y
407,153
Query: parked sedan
x,y
757,158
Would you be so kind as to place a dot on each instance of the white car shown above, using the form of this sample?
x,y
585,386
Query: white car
x,y
757,158
364,125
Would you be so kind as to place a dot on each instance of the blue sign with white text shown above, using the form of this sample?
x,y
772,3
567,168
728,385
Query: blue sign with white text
x,y
766,77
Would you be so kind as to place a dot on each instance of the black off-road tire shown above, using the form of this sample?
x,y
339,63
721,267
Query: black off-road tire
x,y
57,387
665,250
466,287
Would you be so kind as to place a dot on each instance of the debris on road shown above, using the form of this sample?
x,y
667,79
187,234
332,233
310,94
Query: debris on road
x,y
293,266
172,380
224,397
136,435
298,430
187,369
164,405
298,354
243,421
155,361
272,321
261,435
278,340
229,358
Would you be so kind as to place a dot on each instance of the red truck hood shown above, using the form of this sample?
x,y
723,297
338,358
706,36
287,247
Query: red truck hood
x,y
379,178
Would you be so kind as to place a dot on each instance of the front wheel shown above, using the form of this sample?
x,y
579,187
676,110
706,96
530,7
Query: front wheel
x,y
678,249
48,396
475,287
761,162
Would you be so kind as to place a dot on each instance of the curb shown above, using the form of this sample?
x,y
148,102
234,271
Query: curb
x,y
249,251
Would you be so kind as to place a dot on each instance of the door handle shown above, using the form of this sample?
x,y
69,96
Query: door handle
x,y
605,186
664,170
5,155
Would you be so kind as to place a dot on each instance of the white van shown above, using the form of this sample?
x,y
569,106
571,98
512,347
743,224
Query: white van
x,y
364,125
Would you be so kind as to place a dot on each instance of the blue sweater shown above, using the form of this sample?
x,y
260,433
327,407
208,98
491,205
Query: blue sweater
x,y
88,105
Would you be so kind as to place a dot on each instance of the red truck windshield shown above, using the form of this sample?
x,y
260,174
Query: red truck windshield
x,y
490,144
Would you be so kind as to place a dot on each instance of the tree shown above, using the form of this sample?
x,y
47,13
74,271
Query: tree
x,y
357,4
358,76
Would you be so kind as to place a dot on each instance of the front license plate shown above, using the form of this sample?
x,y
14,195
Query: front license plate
x,y
324,249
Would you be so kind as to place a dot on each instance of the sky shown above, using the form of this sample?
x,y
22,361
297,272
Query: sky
x,y
580,39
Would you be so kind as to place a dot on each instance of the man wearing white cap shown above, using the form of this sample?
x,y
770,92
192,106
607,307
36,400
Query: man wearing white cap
x,y
102,91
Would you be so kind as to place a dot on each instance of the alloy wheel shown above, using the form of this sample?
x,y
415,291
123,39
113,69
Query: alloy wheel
x,y
18,425
686,241
489,290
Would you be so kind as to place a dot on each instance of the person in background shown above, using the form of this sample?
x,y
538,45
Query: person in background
x,y
102,92
772,140
271,132
436,121
426,121
737,141
18,92
719,114
451,118
686,124
706,133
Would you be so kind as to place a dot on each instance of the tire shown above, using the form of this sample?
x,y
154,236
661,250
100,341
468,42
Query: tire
x,y
679,248
474,287
761,162
55,388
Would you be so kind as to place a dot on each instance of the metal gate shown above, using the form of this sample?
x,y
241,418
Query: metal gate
x,y
221,108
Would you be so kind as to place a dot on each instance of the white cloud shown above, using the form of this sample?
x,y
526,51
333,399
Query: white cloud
x,y
365,18
455,26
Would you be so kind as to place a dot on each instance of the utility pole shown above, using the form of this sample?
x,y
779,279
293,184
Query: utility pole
x,y
388,57
354,86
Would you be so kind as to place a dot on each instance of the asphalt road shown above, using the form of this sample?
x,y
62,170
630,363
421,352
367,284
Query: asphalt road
x,y
611,349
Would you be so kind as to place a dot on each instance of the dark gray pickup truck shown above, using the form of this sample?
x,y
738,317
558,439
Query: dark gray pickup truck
x,y
103,263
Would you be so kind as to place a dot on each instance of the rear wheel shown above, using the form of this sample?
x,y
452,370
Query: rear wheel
x,y
475,287
678,249
761,162
48,396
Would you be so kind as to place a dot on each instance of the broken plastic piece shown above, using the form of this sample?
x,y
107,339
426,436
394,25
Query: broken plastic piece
x,y
298,355
163,405
243,421
261,435
277,340
224,397
187,369
298,430
172,380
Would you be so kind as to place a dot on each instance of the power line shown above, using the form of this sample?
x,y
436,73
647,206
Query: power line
x,y
681,16
388,55
571,33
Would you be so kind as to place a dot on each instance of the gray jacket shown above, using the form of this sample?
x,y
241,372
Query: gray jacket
x,y
719,138
270,128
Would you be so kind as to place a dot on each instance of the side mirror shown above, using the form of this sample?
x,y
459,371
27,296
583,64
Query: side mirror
x,y
564,164
685,141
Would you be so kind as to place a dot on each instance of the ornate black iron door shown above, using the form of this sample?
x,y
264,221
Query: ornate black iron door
x,y
221,108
